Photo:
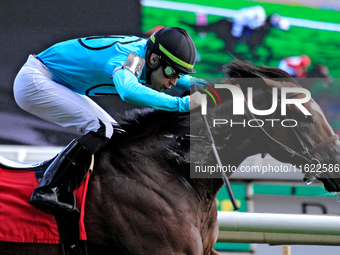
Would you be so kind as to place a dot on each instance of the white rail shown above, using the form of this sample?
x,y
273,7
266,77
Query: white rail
x,y
28,154
278,228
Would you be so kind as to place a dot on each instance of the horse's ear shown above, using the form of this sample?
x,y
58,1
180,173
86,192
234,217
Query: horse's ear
x,y
243,73
277,84
271,83
255,83
236,82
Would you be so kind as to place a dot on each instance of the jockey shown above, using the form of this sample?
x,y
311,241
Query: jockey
x,y
55,84
280,22
252,17
296,66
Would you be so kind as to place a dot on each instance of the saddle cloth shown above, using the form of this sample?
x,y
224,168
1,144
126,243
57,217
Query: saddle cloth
x,y
22,222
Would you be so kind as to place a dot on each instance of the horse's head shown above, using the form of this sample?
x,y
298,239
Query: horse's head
x,y
321,72
307,141
324,147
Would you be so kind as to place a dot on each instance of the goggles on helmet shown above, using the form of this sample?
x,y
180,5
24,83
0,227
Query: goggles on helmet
x,y
168,71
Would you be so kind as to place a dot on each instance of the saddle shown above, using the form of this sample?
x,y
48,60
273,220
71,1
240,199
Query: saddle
x,y
38,168
24,223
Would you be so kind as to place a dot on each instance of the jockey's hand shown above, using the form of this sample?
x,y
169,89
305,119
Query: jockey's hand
x,y
200,83
195,100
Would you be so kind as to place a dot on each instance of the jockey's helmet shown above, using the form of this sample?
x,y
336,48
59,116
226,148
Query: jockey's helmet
x,y
175,47
305,60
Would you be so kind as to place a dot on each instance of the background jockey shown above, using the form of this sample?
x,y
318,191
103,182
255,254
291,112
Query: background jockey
x,y
296,66
54,85
252,17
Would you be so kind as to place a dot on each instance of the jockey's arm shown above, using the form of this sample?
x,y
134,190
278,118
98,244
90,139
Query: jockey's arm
x,y
131,91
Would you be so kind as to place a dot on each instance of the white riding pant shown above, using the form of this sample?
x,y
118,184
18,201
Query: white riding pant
x,y
37,93
253,17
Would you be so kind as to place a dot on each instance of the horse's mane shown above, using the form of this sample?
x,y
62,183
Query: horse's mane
x,y
244,69
262,77
143,121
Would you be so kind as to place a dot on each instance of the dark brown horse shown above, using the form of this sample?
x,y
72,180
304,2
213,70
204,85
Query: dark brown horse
x,y
141,197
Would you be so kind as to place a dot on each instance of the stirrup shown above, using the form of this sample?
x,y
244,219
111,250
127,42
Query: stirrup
x,y
41,201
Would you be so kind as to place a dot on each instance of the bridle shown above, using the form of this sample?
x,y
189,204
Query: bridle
x,y
304,153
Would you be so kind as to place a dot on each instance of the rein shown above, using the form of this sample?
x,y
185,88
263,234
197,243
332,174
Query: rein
x,y
224,176
324,143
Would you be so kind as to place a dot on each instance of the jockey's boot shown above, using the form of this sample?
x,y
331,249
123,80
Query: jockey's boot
x,y
66,173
